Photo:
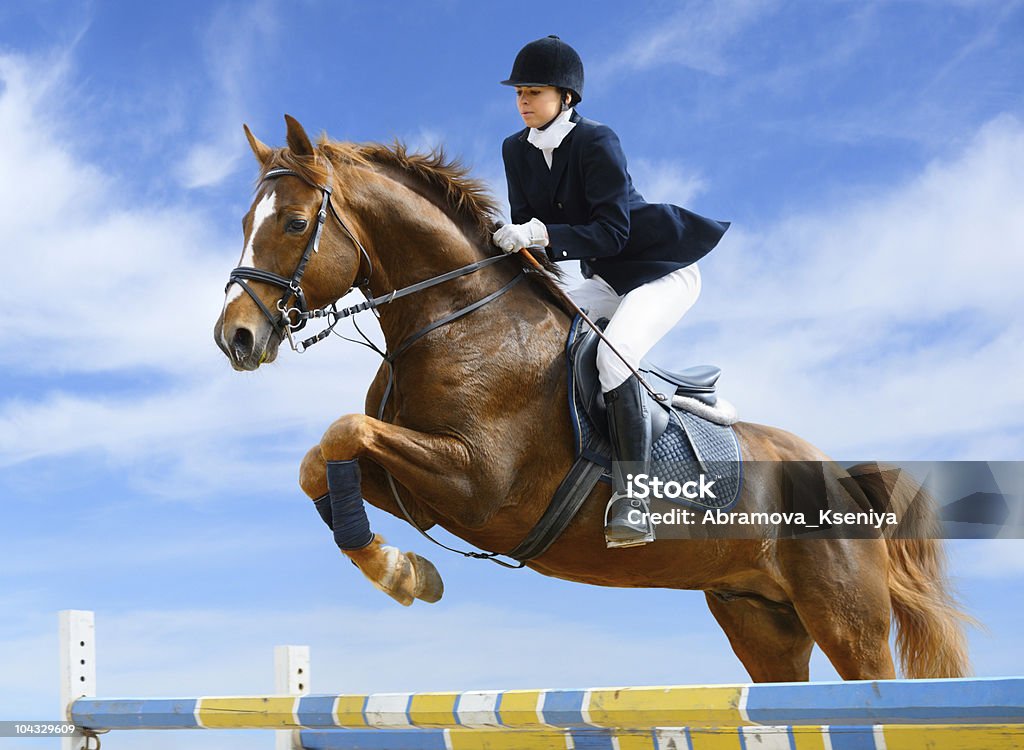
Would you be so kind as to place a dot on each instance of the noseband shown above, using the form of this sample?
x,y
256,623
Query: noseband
x,y
282,320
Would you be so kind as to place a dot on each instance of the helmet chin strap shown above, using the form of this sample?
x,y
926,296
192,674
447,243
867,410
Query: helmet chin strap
x,y
565,108
548,123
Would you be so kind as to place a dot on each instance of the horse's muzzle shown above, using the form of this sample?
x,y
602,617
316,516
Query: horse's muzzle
x,y
246,348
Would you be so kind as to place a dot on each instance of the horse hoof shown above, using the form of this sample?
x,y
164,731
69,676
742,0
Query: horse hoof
x,y
429,586
404,576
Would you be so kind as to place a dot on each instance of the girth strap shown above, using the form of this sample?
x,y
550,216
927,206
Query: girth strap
x,y
565,504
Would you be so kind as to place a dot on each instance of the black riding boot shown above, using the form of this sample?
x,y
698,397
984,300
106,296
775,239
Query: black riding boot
x,y
629,427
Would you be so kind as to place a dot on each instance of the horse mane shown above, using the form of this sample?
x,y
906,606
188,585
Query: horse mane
x,y
446,179
465,199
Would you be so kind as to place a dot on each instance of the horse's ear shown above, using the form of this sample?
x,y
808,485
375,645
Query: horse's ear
x,y
258,147
298,141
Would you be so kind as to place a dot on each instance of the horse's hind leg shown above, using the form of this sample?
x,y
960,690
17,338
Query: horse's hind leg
x,y
767,637
840,590
403,576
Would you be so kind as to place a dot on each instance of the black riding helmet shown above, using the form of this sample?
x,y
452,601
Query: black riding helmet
x,y
549,62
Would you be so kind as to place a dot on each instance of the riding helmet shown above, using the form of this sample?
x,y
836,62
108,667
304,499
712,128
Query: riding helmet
x,y
548,62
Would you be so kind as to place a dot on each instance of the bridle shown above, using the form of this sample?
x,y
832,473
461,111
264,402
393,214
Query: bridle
x,y
241,275
300,312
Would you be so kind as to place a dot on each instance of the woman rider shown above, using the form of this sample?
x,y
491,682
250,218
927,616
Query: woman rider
x,y
569,192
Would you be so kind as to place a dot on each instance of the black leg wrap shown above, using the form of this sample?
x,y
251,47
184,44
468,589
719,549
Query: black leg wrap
x,y
348,514
323,507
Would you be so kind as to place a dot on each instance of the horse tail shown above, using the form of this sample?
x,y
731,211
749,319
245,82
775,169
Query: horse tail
x,y
930,638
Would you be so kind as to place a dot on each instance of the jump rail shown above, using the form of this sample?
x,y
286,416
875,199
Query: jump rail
x,y
984,713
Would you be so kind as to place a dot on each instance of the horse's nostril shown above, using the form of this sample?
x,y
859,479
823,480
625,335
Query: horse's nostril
x,y
242,343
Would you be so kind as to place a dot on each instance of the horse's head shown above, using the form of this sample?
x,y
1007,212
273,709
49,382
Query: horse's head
x,y
298,254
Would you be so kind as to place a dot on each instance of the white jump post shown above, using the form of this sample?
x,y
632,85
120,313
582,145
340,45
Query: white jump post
x,y
77,667
291,677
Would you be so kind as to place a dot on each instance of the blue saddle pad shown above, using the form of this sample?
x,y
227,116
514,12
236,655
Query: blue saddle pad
x,y
687,445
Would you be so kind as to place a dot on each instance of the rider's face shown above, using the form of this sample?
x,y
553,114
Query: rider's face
x,y
537,104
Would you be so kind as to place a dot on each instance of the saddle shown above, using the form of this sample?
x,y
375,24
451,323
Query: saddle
x,y
684,442
688,433
694,382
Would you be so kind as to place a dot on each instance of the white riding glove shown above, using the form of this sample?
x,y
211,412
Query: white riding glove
x,y
514,237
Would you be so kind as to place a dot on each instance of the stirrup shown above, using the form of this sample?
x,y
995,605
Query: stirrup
x,y
627,543
640,538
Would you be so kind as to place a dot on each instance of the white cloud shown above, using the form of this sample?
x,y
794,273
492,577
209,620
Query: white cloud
x,y
947,240
665,181
112,288
424,140
210,163
40,174
696,37
884,323
238,38
98,275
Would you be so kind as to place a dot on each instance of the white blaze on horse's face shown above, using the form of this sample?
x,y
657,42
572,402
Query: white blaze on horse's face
x,y
263,211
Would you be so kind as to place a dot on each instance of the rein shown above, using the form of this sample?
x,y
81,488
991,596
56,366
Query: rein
x,y
284,327
335,316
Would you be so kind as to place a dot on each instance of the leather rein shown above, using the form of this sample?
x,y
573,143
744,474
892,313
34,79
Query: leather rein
x,y
284,326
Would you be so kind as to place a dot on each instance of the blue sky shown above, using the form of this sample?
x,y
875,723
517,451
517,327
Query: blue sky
x,y
868,153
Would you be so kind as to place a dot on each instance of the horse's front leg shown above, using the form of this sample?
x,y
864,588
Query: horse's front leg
x,y
331,478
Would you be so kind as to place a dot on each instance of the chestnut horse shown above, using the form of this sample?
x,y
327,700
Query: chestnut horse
x,y
477,437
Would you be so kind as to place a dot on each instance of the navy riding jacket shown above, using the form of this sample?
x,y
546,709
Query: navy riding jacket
x,y
594,214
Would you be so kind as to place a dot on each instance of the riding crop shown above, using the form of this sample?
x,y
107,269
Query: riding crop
x,y
600,334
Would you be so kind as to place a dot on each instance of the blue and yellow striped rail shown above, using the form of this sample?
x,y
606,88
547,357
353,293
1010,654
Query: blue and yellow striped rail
x,y
887,715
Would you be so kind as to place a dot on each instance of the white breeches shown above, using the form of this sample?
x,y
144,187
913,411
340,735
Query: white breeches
x,y
639,319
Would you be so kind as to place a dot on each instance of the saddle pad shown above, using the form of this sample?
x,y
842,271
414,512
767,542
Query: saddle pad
x,y
691,446
678,454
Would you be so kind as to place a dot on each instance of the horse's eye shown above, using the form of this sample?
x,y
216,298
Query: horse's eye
x,y
296,226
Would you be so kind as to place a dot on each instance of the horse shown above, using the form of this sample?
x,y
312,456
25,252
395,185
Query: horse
x,y
475,437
